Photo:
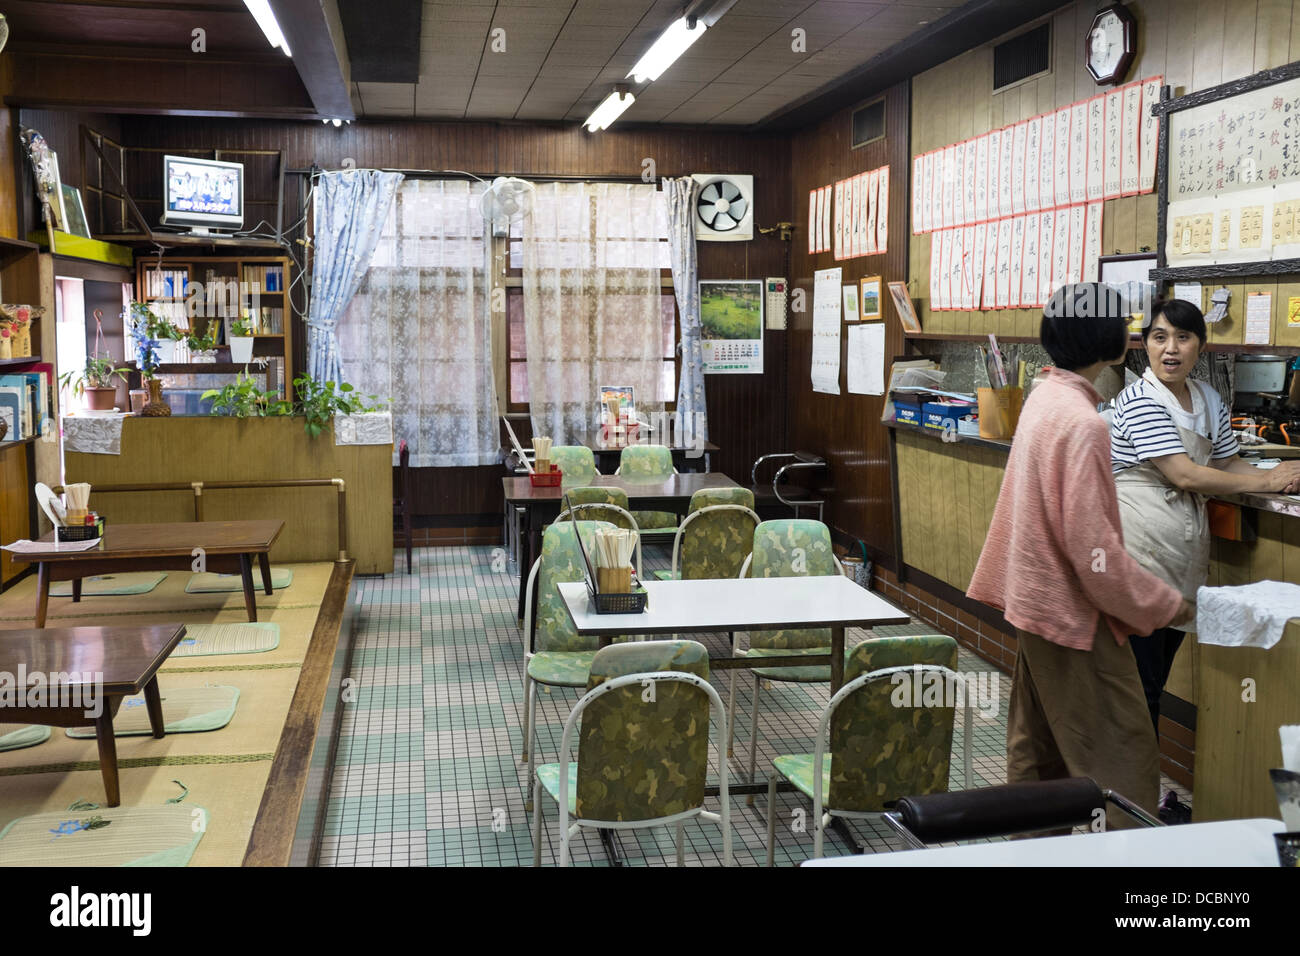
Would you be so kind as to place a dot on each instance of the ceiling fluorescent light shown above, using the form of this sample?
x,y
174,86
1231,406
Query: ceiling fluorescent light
x,y
265,17
674,41
610,109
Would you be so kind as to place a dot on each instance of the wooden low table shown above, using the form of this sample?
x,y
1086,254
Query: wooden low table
x,y
89,669
226,547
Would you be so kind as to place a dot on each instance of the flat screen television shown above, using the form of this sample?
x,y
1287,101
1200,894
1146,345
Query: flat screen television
x,y
203,194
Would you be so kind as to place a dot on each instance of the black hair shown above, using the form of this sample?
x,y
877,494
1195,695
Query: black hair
x,y
1181,315
1083,324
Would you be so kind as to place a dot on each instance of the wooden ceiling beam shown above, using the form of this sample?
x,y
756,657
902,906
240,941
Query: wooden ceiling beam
x,y
314,33
198,87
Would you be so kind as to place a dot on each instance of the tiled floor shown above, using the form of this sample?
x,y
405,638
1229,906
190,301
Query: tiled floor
x,y
428,769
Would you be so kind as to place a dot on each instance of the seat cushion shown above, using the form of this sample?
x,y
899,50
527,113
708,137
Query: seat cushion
x,y
798,769
548,775
663,574
650,522
561,668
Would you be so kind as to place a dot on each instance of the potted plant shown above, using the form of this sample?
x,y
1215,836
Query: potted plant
x,y
354,415
243,399
241,342
95,383
203,348
149,330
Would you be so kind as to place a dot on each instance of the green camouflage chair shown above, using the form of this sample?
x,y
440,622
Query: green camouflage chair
x,y
576,462
562,657
651,464
643,747
891,728
716,536
787,547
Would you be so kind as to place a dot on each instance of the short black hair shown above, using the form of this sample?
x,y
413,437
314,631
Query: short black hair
x,y
1083,324
1181,315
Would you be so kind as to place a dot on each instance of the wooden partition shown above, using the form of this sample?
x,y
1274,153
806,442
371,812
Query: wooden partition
x,y
232,449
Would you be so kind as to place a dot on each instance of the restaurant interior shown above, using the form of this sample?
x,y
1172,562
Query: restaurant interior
x,y
690,342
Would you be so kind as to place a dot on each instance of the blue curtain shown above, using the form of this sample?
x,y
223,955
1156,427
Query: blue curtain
x,y
351,206
692,423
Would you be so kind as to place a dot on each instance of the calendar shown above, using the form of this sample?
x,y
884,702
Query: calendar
x,y
731,323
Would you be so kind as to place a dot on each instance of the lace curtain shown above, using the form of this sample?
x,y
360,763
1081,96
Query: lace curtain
x,y
691,419
351,205
419,328
591,302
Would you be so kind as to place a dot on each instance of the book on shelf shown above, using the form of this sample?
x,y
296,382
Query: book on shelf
x,y
267,278
166,283
26,404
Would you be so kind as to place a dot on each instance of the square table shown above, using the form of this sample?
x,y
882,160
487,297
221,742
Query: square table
x,y
743,604
542,505
111,662
225,547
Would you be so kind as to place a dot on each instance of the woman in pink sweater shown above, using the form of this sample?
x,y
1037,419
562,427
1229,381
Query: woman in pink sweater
x,y
1054,562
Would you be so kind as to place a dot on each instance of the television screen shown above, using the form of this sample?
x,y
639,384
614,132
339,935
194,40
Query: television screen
x,y
203,192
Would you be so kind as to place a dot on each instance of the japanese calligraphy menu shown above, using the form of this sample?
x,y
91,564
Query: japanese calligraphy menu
x,y
1234,178
1034,193
854,212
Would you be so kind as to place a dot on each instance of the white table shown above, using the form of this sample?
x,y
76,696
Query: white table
x,y
1221,843
744,604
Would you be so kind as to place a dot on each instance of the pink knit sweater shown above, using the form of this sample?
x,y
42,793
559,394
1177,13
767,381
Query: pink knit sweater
x,y
1054,557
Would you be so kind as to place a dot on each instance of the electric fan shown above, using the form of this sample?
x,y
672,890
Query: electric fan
x,y
504,203
724,209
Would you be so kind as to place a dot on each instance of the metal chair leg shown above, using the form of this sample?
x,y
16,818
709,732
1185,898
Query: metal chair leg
x,y
681,842
771,819
537,823
753,741
731,711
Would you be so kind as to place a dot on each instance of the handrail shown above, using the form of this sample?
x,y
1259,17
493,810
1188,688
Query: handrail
x,y
198,487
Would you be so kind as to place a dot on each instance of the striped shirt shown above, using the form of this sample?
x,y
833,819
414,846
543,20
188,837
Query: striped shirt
x,y
1142,428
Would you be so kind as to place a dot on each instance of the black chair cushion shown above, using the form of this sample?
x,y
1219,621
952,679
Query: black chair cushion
x,y
1000,811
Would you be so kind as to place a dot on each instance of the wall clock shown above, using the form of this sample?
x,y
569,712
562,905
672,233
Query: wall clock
x,y
1109,47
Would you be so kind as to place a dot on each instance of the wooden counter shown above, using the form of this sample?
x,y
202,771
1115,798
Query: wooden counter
x,y
946,494
182,449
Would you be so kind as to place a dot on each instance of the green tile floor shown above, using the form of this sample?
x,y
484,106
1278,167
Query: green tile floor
x,y
428,770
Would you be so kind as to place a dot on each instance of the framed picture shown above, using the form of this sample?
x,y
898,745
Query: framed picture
x,y
74,222
731,320
850,303
56,194
903,304
869,298
1131,275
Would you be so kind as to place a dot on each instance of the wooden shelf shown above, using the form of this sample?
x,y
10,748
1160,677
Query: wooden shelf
x,y
1134,342
166,239
14,444
25,360
1234,270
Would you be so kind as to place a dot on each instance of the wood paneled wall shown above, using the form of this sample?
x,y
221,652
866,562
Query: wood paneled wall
x,y
846,428
745,411
1194,44
62,131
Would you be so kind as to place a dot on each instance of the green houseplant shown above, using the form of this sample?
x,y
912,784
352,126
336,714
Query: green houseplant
x,y
321,401
241,342
95,382
243,399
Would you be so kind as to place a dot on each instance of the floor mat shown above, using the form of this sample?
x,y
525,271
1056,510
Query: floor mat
x,y
16,737
186,710
89,835
128,582
210,581
203,640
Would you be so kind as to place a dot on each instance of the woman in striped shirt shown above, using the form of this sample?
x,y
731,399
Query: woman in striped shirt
x,y
1171,446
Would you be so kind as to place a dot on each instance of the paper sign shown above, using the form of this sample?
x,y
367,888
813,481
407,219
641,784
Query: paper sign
x,y
982,178
1096,146
989,288
1033,162
1061,170
1192,292
1017,259
949,182
1112,181
1004,263
1293,311
1074,268
812,221
1046,232
1060,249
945,265
936,191
1018,142
837,228
936,246
1092,243
1079,127
977,265
826,331
968,181
918,190
1129,142
882,211
1004,172
959,184
866,371
1259,318
1046,164
1029,270
1149,135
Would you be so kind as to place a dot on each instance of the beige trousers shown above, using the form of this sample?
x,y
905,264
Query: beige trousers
x,y
1083,714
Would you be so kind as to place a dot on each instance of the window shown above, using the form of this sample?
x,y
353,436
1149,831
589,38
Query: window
x,y
614,254
517,356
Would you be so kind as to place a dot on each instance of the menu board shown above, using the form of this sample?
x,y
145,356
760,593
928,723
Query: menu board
x,y
1034,189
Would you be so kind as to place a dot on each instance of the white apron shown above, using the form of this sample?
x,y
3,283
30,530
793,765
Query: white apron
x,y
1165,528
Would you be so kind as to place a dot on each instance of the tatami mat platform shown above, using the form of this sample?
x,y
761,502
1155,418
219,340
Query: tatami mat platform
x,y
224,770
428,771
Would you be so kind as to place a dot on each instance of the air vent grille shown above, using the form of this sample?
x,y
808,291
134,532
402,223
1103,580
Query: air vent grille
x,y
1022,57
869,123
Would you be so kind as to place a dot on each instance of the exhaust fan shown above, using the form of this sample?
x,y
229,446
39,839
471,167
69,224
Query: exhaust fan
x,y
724,209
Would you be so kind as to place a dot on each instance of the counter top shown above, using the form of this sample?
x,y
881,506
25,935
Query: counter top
x,y
1280,504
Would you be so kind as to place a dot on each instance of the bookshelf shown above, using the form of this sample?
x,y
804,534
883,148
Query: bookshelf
x,y
223,288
